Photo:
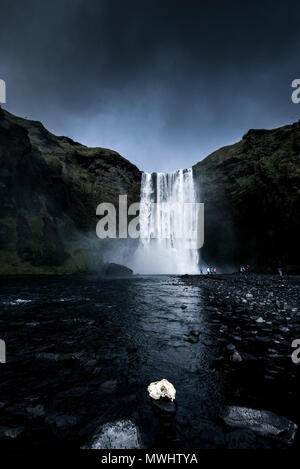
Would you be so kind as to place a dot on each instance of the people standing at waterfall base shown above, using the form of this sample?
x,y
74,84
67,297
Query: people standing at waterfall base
x,y
211,270
208,270
215,270
280,271
201,270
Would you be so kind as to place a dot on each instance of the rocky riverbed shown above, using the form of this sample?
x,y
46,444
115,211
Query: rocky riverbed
x,y
81,352
255,319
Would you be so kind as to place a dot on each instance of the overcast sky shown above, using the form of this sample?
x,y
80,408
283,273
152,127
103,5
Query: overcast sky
x,y
164,82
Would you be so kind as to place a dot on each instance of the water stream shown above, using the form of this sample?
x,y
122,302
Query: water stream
x,y
168,224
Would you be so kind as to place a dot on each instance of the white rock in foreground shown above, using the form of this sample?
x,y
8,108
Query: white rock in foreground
x,y
162,388
122,434
262,422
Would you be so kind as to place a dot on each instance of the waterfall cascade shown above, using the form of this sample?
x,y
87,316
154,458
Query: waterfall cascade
x,y
168,223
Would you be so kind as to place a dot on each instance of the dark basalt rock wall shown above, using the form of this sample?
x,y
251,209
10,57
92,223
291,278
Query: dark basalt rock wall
x,y
50,187
251,192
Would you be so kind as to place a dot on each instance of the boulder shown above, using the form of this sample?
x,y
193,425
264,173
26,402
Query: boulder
x,y
123,434
261,422
118,270
236,357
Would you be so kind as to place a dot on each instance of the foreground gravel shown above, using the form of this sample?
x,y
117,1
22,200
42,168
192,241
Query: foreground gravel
x,y
255,320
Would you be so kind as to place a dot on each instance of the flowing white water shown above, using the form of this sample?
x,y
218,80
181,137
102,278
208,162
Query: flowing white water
x,y
168,223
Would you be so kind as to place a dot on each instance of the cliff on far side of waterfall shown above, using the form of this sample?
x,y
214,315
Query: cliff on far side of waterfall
x,y
251,191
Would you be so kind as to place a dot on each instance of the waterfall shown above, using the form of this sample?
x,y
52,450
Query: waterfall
x,y
168,222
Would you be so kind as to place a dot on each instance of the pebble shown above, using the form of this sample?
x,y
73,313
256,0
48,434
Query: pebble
x,y
230,347
236,357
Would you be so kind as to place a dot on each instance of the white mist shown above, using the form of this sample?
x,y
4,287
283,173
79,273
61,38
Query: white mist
x,y
166,213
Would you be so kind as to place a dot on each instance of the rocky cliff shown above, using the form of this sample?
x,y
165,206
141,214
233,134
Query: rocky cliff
x,y
251,192
50,187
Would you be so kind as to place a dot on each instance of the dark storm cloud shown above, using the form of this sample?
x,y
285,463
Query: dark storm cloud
x,y
162,82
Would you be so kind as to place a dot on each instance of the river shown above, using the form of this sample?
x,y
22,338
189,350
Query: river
x,y
82,350
86,348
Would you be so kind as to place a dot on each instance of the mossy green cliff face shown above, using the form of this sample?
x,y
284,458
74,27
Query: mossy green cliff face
x,y
251,192
50,187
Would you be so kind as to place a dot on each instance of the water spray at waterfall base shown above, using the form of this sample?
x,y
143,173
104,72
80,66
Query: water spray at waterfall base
x,y
169,224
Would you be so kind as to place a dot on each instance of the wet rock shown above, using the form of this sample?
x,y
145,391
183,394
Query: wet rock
x,y
262,339
207,435
61,424
54,356
236,357
241,439
230,347
284,329
178,343
109,386
91,363
192,340
37,411
123,434
208,342
165,405
17,410
183,306
261,422
237,338
48,356
260,320
10,432
118,269
65,420
269,377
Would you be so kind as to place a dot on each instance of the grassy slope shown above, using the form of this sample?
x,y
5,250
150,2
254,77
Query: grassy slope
x,y
251,192
50,187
